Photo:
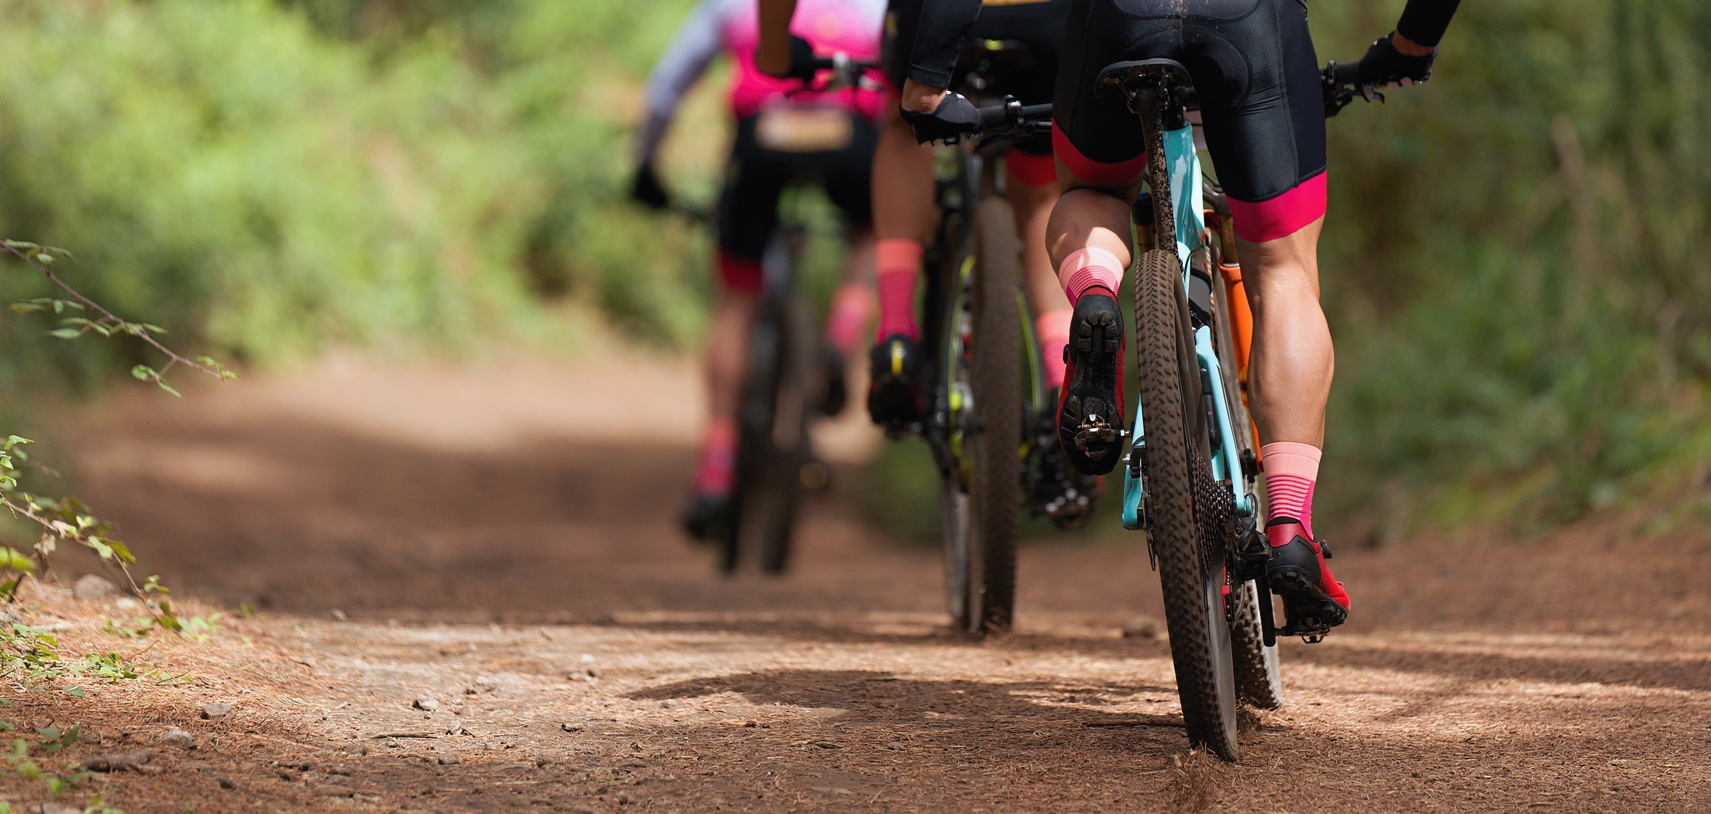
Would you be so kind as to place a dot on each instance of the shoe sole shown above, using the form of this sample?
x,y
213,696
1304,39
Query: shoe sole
x,y
891,402
1310,611
1089,418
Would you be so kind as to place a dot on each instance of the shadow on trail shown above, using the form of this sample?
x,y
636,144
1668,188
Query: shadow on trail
x,y
295,515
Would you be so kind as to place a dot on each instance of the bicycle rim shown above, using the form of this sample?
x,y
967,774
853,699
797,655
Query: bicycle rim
x,y
1191,577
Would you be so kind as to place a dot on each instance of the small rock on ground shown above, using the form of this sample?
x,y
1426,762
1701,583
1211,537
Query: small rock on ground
x,y
1142,627
93,587
177,737
426,703
215,710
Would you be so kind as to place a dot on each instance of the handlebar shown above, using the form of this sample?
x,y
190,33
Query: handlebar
x,y
1341,86
847,72
1016,116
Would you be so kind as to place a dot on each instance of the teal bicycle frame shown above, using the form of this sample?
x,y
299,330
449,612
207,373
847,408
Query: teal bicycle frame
x,y
1185,187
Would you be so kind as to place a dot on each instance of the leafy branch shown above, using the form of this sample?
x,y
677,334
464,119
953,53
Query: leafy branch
x,y
67,519
106,324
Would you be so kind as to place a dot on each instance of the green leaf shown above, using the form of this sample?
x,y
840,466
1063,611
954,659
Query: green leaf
x,y
144,373
25,307
65,333
10,558
73,690
168,388
153,329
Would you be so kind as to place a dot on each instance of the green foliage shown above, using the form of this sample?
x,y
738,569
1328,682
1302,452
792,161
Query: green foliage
x,y
1512,257
26,757
269,187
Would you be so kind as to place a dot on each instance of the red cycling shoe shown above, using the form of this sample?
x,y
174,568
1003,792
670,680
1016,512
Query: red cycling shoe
x,y
1313,600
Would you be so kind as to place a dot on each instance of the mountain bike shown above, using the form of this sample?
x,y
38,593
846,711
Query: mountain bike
x,y
988,413
1191,469
784,387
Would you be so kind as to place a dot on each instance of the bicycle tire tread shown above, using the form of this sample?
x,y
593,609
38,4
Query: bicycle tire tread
x,y
1171,509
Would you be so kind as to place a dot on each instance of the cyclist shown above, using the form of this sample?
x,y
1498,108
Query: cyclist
x,y
782,135
1254,66
903,188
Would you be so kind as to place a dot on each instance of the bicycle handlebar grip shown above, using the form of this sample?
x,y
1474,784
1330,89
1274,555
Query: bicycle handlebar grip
x,y
1034,112
1345,73
994,117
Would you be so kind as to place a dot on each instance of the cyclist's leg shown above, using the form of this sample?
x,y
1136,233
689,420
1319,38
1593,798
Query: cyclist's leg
x,y
1100,155
1033,191
1270,151
848,182
903,214
748,214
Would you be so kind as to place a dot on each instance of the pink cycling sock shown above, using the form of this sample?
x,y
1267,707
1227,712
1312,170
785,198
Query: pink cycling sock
x,y
1052,327
852,310
717,473
899,265
1291,470
1087,268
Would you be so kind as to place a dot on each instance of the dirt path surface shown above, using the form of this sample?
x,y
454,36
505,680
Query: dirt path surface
x,y
498,545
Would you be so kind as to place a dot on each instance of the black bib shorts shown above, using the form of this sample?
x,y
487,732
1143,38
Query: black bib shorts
x,y
1253,64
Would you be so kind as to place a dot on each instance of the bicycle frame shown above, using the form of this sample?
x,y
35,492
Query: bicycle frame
x,y
1184,182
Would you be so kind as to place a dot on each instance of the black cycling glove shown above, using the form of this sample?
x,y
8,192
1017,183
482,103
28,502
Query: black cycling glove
x,y
646,189
801,60
1384,65
954,118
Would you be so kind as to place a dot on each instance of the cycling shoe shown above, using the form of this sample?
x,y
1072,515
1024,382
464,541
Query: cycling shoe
x,y
894,396
1313,601
1090,410
707,515
1060,493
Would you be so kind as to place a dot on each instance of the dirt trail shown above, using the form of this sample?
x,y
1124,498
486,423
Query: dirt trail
x,y
500,542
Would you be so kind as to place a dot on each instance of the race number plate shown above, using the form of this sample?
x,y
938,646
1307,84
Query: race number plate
x,y
804,129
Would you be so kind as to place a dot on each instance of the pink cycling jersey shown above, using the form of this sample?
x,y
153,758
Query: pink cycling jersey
x,y
732,27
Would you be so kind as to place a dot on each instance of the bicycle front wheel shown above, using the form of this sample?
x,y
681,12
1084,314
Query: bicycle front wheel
x,y
773,447
1191,564
983,493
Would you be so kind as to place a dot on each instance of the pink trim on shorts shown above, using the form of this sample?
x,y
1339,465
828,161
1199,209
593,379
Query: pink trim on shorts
x,y
1097,173
1032,169
739,274
1281,216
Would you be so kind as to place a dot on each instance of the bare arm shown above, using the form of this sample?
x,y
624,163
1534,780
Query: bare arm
x,y
772,54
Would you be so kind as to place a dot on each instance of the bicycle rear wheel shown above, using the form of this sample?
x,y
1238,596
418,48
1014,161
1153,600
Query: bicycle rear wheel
x,y
1191,564
1258,681
773,446
982,497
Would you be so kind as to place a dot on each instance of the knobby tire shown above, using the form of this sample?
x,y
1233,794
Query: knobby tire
x,y
1189,573
991,450
773,446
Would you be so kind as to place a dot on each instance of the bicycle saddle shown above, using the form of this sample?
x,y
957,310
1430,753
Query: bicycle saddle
x,y
1139,76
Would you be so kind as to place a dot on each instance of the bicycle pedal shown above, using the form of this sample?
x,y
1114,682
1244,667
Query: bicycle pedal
x,y
1096,437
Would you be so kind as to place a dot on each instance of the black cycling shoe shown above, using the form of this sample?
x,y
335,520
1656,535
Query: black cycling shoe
x,y
837,392
894,397
1313,601
707,516
1090,413
1060,493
